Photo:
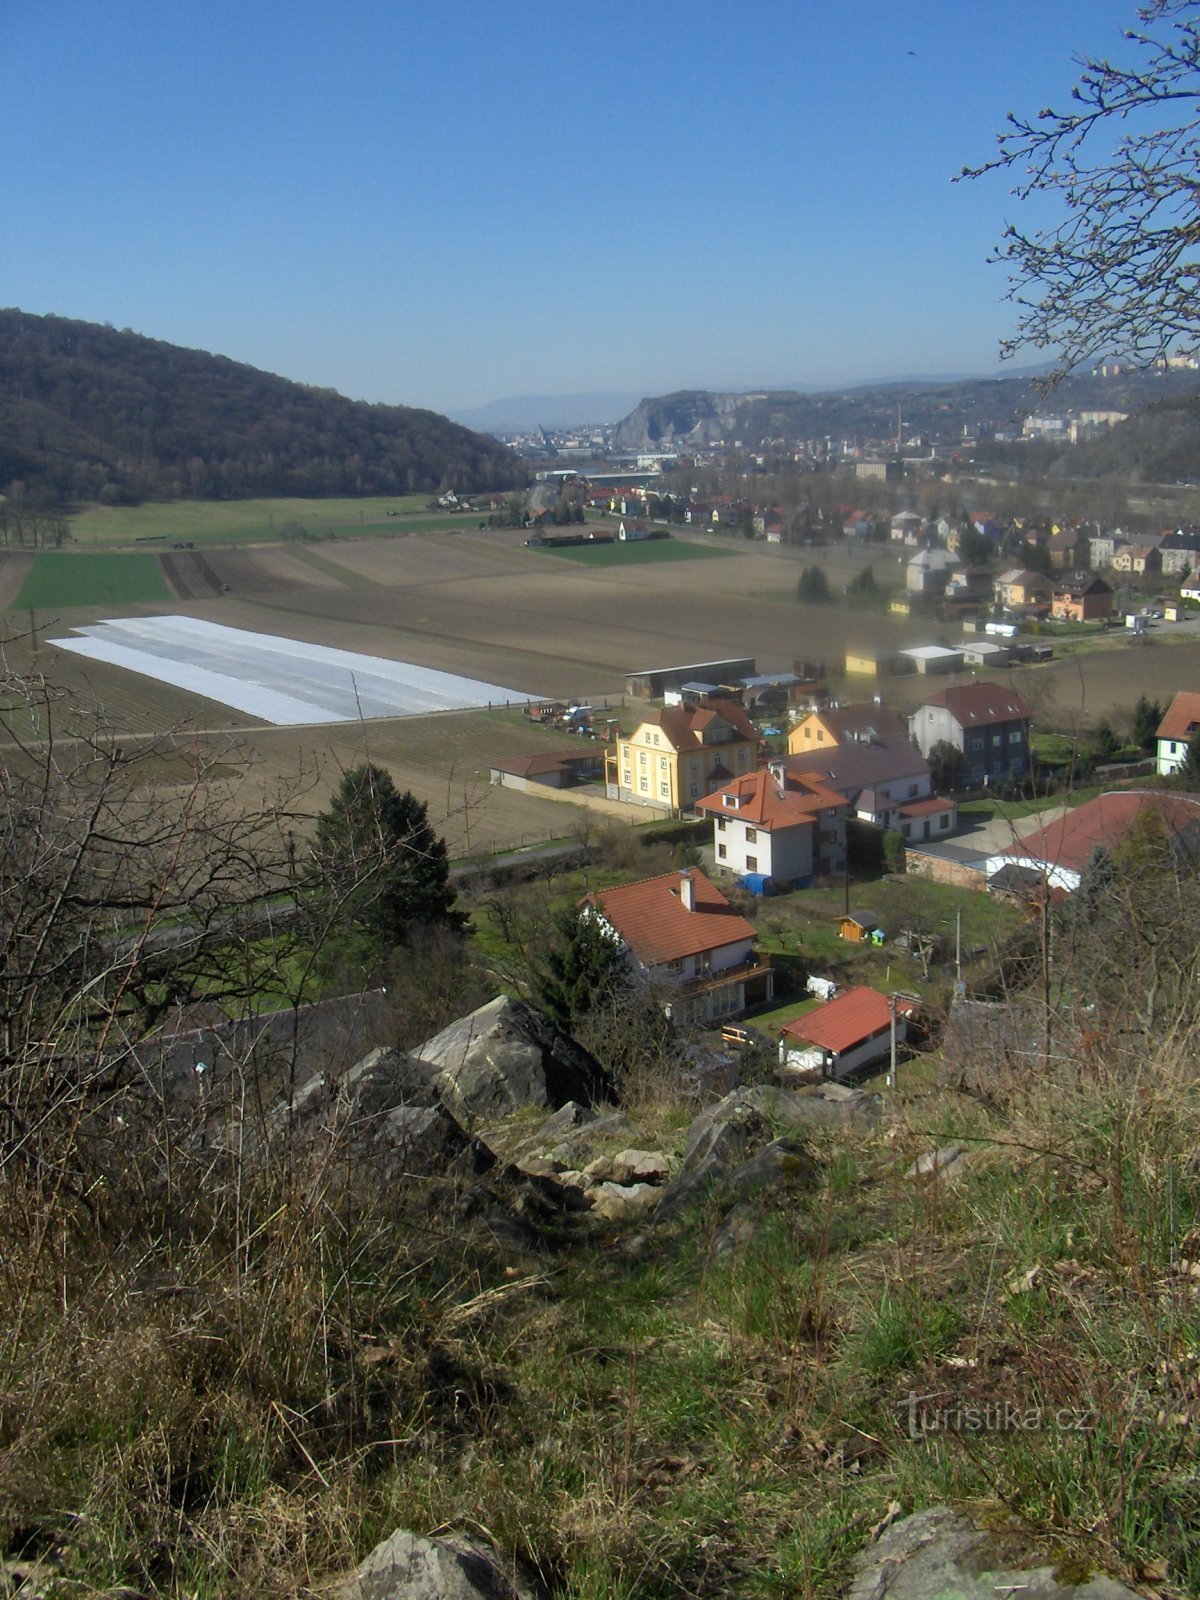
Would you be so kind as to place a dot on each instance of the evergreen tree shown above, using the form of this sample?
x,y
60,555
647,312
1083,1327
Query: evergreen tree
x,y
580,968
812,587
1147,715
379,864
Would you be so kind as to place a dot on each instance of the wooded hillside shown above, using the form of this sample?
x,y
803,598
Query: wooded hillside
x,y
90,413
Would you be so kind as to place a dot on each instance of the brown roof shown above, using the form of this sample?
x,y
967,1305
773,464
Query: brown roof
x,y
840,1024
535,766
651,918
1072,840
1182,718
684,724
974,705
766,803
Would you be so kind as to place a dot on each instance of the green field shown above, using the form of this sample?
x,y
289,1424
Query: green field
x,y
91,580
631,555
254,521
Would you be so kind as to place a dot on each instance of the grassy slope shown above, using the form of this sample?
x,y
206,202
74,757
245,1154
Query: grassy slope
x,y
249,521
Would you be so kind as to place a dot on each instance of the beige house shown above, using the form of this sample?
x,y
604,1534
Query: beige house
x,y
679,754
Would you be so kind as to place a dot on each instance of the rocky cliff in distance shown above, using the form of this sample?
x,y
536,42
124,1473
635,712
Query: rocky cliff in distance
x,y
696,418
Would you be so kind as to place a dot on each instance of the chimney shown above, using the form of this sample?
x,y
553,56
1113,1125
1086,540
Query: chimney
x,y
687,891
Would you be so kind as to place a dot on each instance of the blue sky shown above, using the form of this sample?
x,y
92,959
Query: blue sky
x,y
439,204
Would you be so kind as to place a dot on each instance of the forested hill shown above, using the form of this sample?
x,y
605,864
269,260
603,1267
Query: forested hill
x,y
90,413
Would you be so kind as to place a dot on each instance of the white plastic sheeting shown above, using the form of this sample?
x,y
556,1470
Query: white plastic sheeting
x,y
282,681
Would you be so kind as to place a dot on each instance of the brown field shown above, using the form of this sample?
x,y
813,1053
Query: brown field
x,y
484,606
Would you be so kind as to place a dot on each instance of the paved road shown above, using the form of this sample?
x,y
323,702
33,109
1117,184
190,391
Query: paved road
x,y
988,838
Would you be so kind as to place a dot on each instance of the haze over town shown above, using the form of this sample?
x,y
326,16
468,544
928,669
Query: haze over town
x,y
443,206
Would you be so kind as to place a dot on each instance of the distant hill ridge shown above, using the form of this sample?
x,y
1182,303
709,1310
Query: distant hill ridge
x,y
698,418
90,413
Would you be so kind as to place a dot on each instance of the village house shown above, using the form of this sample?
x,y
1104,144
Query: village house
x,y
679,754
1069,548
886,782
988,723
1020,587
1084,597
1061,853
1176,731
679,931
860,723
1138,560
777,829
845,1036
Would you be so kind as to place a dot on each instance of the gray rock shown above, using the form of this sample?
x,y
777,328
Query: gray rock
x,y
721,1138
781,1163
615,1200
576,1146
454,1567
571,1115
823,1105
944,1163
939,1552
505,1056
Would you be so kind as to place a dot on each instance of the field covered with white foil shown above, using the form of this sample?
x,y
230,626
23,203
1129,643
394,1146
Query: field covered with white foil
x,y
285,682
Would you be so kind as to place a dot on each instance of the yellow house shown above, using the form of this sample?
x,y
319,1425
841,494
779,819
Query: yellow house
x,y
679,754
835,725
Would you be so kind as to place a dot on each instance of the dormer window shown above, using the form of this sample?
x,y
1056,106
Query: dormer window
x,y
730,800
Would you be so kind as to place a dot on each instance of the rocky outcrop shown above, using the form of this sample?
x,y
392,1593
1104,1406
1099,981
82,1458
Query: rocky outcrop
x,y
506,1056
454,1567
939,1552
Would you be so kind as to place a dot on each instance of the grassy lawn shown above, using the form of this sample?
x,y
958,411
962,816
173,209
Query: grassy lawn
x,y
57,580
250,521
632,555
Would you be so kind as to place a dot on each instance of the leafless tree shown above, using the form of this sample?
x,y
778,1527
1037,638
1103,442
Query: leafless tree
x,y
1118,275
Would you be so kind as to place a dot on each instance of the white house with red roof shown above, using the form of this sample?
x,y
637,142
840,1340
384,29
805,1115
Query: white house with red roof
x,y
1061,852
679,930
1176,731
778,827
843,1036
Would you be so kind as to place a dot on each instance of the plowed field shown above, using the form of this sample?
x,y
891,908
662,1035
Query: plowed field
x,y
484,606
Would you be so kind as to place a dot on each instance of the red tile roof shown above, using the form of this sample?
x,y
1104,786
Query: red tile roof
x,y
1182,718
766,803
974,705
651,918
1072,840
840,1024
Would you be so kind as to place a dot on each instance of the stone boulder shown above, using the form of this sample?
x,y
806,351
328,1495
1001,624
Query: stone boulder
x,y
384,1110
506,1056
454,1567
720,1139
939,1552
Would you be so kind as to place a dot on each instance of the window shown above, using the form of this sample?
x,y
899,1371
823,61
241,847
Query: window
x,y
641,758
664,789
751,863
662,763
1015,737
975,744
694,791
722,852
721,822
912,791
820,735
644,784
627,777
751,835
945,822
